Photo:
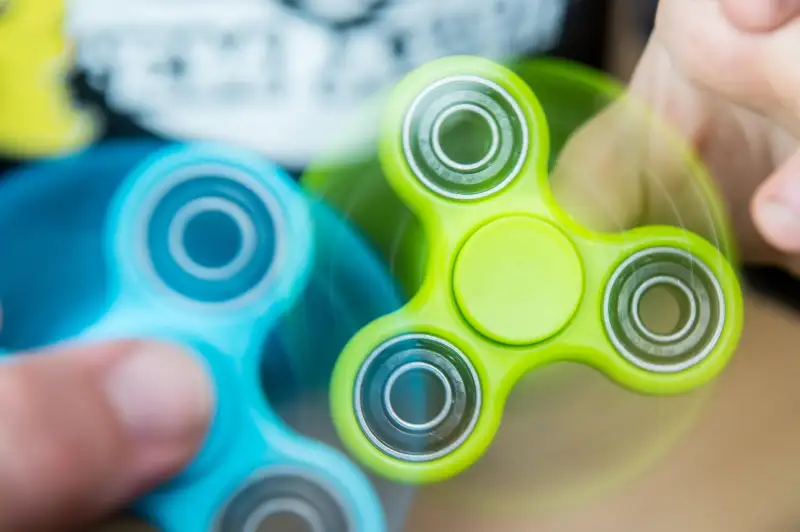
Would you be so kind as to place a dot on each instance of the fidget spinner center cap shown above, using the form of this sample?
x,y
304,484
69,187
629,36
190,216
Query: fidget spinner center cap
x,y
518,280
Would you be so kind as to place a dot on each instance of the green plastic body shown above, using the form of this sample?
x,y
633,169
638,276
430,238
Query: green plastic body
x,y
508,278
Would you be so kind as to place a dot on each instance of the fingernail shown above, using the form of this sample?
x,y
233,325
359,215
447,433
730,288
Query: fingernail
x,y
160,394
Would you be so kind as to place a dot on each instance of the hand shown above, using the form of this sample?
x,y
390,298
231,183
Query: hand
x,y
723,74
84,431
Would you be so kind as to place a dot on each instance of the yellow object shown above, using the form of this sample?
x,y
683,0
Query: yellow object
x,y
500,281
504,297
37,115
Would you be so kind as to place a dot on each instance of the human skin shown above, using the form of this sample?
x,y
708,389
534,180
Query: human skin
x,y
86,429
723,73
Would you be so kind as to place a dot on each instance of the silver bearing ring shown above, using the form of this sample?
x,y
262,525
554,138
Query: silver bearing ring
x,y
701,307
273,499
488,114
436,410
189,221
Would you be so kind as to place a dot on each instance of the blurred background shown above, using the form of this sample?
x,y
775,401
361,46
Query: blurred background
x,y
575,453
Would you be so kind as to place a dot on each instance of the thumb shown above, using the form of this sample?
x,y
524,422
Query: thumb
x,y
597,178
630,163
83,431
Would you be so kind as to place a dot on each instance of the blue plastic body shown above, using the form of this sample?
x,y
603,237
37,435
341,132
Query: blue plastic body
x,y
91,253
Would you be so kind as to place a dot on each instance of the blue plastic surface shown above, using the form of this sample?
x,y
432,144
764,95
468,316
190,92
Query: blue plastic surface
x,y
90,247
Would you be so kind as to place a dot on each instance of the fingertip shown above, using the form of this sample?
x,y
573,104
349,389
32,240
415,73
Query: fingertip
x,y
779,225
87,428
160,393
776,211
596,179
760,15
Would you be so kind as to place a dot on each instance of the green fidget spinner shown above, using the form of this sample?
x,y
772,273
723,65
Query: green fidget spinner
x,y
500,280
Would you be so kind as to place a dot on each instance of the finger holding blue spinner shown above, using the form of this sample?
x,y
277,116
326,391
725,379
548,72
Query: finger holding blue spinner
x,y
191,189
208,247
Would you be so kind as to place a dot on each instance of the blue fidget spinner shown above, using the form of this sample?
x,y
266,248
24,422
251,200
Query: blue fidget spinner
x,y
218,250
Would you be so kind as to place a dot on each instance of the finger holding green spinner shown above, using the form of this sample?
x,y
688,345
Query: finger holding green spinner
x,y
508,282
